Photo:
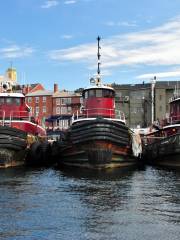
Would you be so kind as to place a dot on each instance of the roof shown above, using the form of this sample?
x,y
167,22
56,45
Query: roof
x,y
12,95
40,93
65,94
99,87
51,93
158,84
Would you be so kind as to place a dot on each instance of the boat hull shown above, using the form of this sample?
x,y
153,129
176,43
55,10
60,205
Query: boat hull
x,y
13,147
97,144
11,158
164,152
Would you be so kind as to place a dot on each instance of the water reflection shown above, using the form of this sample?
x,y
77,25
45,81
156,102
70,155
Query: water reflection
x,y
132,199
69,204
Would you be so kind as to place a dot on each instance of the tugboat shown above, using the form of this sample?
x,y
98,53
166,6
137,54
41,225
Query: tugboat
x,y
19,134
161,146
98,137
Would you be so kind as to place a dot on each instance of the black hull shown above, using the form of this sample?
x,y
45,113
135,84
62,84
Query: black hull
x,y
100,161
97,144
100,129
165,152
39,154
13,147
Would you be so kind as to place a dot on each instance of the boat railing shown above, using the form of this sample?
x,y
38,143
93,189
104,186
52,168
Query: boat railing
x,y
6,119
173,119
20,115
98,112
2,117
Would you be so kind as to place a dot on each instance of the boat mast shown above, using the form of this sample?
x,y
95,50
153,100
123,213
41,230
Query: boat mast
x,y
98,79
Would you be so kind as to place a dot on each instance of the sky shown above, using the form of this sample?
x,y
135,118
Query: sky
x,y
54,41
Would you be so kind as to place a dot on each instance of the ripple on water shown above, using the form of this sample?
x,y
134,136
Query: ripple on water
x,y
54,204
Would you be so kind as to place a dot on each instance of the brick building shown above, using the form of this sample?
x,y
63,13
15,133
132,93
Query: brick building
x,y
40,103
55,108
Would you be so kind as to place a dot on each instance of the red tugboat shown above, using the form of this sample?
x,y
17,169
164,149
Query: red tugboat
x,y
18,132
98,137
162,145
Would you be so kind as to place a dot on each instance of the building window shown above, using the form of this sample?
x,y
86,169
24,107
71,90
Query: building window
x,y
37,99
160,97
69,109
65,101
44,99
63,110
57,101
58,110
37,111
44,109
29,99
160,108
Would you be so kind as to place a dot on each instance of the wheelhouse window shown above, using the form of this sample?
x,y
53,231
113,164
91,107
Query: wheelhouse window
x,y
9,101
1,101
99,93
92,93
17,101
107,93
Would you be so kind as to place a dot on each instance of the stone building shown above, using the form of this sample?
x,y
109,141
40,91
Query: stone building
x,y
136,101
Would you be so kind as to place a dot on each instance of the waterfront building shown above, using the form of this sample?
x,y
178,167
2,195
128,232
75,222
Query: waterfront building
x,y
135,100
40,103
53,108
65,104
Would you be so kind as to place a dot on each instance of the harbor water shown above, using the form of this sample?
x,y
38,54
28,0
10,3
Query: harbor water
x,y
54,204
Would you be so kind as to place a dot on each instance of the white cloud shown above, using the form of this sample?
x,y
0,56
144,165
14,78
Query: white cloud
x,y
123,24
50,3
158,46
66,36
70,2
15,51
159,75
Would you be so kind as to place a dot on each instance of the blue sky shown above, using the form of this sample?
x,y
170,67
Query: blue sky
x,y
54,41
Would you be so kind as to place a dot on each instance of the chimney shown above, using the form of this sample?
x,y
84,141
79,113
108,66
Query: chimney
x,y
55,87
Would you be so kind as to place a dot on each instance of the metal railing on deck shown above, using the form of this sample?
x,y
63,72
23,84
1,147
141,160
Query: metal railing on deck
x,y
6,119
173,119
97,112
